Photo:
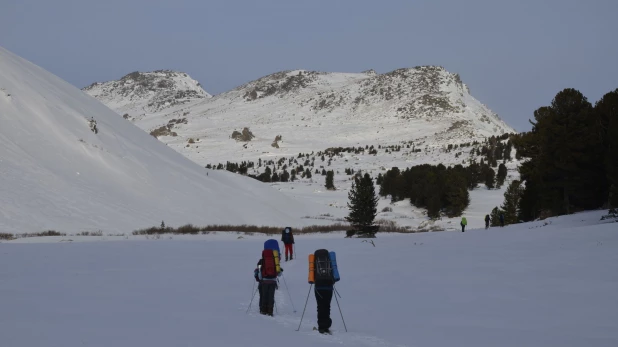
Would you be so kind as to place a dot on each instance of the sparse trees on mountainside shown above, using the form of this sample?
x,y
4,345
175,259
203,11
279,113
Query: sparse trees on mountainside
x,y
436,188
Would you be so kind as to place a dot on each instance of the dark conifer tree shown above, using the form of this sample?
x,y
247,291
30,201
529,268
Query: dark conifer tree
x,y
495,217
285,176
363,204
511,202
489,177
330,185
501,175
607,110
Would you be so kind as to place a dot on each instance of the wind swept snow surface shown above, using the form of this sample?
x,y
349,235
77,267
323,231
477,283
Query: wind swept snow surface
x,y
55,173
549,283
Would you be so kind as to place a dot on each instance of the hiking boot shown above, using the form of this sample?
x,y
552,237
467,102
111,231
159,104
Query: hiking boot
x,y
291,257
286,258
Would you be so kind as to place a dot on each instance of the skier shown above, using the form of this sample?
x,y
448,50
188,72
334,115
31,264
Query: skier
x,y
487,221
501,219
463,223
323,273
266,274
288,241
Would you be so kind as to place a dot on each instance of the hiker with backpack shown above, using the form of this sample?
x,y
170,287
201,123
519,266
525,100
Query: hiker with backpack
x,y
463,223
323,273
288,240
266,273
487,219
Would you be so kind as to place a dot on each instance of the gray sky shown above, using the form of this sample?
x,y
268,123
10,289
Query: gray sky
x,y
514,55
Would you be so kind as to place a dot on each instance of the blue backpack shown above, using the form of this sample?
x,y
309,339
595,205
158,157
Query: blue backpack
x,y
272,244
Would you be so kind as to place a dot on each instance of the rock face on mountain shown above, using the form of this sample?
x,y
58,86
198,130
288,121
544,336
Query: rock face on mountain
x,y
148,92
316,110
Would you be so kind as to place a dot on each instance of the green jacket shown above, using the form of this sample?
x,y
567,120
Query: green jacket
x,y
464,221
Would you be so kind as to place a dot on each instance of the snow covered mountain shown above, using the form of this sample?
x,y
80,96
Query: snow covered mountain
x,y
312,111
148,92
57,173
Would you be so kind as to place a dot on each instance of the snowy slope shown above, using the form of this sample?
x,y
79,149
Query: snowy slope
x,y
543,284
58,174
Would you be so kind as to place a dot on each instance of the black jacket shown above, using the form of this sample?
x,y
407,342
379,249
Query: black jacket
x,y
287,239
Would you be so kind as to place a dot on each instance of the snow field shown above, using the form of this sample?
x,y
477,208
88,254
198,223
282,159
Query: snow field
x,y
549,283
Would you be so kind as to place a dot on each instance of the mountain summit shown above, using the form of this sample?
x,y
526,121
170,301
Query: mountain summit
x,y
148,92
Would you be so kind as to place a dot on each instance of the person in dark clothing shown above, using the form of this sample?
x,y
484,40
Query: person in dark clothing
x,y
487,221
288,241
501,219
323,297
266,288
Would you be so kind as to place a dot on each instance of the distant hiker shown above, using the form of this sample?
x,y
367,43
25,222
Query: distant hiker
x,y
266,274
288,241
463,223
501,219
323,272
487,221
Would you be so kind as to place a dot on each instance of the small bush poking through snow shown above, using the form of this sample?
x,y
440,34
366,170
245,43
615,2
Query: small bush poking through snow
x,y
91,233
44,233
248,229
6,236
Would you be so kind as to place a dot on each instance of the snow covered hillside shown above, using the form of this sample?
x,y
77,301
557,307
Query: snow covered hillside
x,y
312,111
542,284
56,173
148,92
400,119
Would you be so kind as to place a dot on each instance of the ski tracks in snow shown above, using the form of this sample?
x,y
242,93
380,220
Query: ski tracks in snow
x,y
284,315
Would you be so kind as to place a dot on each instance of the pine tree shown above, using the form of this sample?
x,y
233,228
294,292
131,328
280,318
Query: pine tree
x,y
329,180
565,147
285,176
363,204
489,177
607,110
510,207
495,217
501,175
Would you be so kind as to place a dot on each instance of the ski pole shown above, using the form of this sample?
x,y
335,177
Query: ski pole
x,y
288,290
306,301
252,299
336,291
346,328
